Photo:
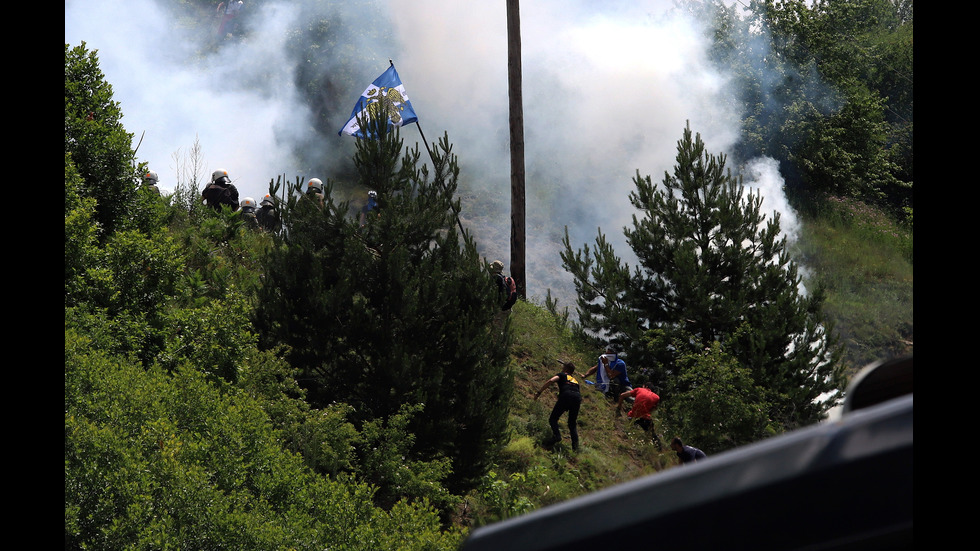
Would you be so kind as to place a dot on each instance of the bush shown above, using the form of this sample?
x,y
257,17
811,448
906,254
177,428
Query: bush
x,y
714,403
154,460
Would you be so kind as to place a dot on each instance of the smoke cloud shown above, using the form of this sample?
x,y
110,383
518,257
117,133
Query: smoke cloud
x,y
608,88
171,97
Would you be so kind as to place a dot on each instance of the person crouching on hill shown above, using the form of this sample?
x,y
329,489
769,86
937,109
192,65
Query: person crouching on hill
x,y
644,402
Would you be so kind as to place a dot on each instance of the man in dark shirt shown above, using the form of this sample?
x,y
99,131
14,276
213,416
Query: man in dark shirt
x,y
220,191
569,399
687,454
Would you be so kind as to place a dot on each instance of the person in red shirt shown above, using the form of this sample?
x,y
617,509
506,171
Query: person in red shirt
x,y
644,402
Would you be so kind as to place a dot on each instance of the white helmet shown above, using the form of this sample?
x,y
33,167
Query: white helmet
x,y
373,194
248,202
151,177
267,200
220,173
314,183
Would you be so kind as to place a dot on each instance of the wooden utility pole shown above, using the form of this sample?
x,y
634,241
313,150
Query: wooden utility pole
x,y
517,239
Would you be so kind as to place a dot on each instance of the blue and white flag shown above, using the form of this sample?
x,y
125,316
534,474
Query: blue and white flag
x,y
384,98
601,378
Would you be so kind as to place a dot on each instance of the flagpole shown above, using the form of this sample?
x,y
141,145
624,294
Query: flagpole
x,y
426,142
355,114
432,159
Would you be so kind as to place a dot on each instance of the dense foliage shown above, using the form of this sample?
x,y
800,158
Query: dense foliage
x,y
99,146
180,431
825,88
157,459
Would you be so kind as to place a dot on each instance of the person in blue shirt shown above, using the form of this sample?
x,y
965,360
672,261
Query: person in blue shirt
x,y
370,207
611,376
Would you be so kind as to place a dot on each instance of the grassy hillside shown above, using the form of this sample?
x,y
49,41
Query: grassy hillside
x,y
869,284
531,475
862,259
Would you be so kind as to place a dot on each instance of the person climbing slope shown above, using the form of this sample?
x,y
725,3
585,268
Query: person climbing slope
x,y
645,401
569,400
611,377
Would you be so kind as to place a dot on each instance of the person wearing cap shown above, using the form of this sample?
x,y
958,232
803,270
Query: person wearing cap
x,y
611,376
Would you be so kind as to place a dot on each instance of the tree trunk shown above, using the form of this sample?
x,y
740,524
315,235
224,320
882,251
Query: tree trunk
x,y
517,238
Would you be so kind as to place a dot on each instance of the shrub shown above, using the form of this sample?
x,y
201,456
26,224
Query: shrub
x,y
157,460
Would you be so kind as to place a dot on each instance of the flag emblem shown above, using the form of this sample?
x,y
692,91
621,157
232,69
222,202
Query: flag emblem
x,y
384,99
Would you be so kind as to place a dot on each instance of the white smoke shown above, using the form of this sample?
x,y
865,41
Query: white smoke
x,y
761,175
608,88
171,97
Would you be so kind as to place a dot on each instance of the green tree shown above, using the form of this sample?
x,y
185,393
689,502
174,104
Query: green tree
x,y
825,88
179,432
119,284
714,402
99,146
830,95
844,153
397,311
712,268
81,235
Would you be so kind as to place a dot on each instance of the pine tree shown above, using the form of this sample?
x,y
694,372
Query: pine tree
x,y
397,311
712,269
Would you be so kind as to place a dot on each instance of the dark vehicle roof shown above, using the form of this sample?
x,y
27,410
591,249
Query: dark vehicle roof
x,y
840,485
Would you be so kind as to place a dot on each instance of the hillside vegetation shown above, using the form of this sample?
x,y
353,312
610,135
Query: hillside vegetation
x,y
864,260
181,431
353,383
159,457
